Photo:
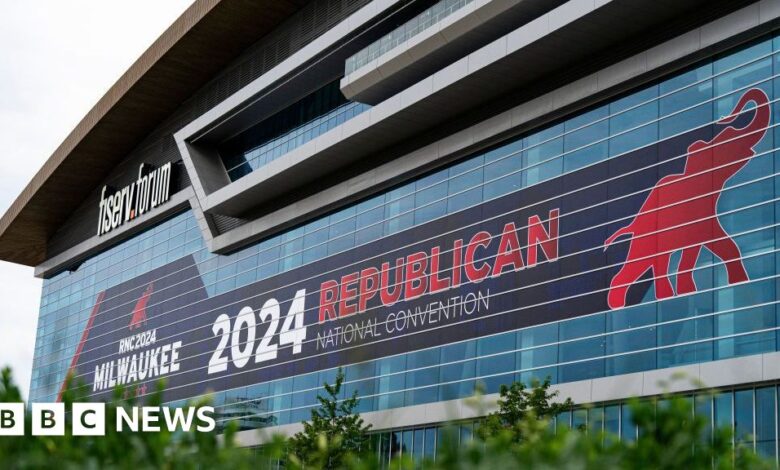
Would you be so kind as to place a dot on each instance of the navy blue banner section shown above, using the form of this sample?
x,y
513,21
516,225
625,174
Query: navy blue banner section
x,y
534,256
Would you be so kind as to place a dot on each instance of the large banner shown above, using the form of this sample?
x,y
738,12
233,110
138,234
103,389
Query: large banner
x,y
588,241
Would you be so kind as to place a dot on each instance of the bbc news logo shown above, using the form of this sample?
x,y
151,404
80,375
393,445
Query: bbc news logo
x,y
89,419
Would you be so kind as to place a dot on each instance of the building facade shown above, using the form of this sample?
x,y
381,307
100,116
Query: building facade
x,y
433,196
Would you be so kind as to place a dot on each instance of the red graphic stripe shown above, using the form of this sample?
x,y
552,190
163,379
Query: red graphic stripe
x,y
80,347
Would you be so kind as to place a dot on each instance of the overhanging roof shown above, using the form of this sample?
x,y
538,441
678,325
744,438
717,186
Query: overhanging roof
x,y
203,40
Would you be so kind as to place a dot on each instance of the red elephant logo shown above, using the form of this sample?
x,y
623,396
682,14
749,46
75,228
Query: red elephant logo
x,y
139,312
680,213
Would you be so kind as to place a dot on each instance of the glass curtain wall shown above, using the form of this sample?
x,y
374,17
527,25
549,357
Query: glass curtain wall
x,y
719,321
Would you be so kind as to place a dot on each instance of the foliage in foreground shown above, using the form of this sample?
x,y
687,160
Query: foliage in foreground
x,y
669,438
334,431
516,403
125,450
518,435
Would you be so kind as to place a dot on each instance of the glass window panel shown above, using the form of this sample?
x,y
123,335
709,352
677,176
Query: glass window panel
x,y
269,264
723,410
509,149
424,358
537,357
466,433
563,420
581,370
735,59
581,120
407,442
497,343
612,419
369,221
301,382
362,370
384,448
458,351
582,137
422,377
633,139
395,444
686,109
684,331
538,335
687,354
703,410
399,209
743,416
582,349
752,74
455,383
743,321
631,317
633,101
585,156
765,421
419,444
543,171
742,295
464,186
580,327
629,363
495,371
643,338
503,176
430,202
430,443
628,430
580,419
341,235
304,398
596,420
541,148
466,166
685,306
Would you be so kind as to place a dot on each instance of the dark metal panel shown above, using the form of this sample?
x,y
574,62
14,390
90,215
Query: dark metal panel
x,y
552,61
160,147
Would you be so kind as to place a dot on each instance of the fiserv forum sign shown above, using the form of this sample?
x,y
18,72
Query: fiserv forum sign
x,y
570,246
151,189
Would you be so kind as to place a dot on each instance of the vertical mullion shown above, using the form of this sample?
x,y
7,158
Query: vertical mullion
x,y
755,440
733,420
435,443
777,462
755,404
712,419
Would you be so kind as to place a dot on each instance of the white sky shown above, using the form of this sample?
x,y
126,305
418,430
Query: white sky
x,y
57,58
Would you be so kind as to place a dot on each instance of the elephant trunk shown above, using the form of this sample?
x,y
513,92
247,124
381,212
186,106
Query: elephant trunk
x,y
627,230
757,126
